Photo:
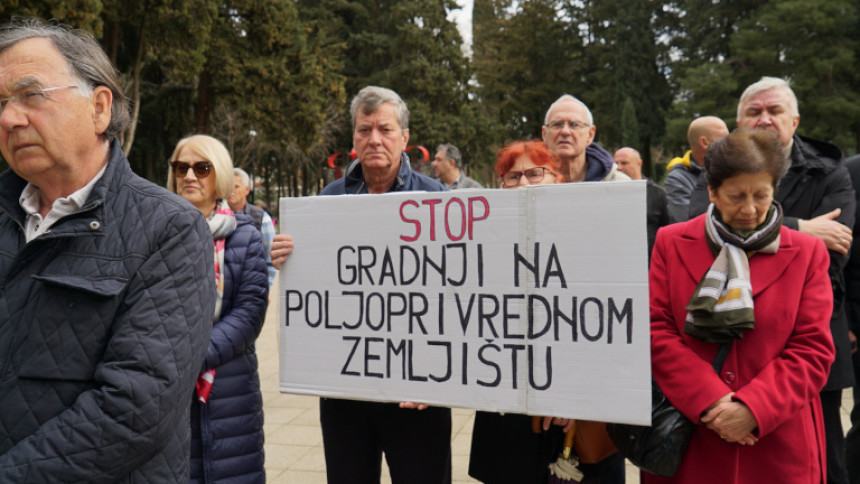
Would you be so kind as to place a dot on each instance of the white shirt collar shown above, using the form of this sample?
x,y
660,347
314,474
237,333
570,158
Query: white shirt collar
x,y
62,207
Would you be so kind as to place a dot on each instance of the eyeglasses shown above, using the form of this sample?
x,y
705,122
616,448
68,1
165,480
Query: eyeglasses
x,y
30,97
202,169
533,175
558,125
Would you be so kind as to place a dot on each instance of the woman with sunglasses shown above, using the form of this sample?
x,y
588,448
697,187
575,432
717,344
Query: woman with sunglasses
x,y
227,408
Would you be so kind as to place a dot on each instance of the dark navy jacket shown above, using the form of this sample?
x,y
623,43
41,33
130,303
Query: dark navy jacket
x,y
104,321
408,180
227,431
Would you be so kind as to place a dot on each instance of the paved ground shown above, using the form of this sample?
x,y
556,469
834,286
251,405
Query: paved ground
x,y
294,453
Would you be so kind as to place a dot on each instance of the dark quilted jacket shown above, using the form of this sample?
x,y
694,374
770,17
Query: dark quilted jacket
x,y
227,432
104,322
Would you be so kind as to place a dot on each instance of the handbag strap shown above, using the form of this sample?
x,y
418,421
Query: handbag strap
x,y
722,353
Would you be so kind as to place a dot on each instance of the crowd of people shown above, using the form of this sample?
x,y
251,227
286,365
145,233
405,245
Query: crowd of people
x,y
129,312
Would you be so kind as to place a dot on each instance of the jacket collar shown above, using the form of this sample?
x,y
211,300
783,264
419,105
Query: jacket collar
x,y
354,178
765,269
808,153
598,162
12,185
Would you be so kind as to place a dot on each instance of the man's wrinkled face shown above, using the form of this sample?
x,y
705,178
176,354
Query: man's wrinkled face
x,y
567,132
379,140
51,124
770,110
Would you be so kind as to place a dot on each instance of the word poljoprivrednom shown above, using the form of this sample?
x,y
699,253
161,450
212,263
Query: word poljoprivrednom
x,y
493,298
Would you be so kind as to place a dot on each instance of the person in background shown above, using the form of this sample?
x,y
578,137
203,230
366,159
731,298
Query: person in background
x,y
108,288
505,447
448,164
227,411
683,172
818,199
736,278
629,162
852,312
568,132
238,201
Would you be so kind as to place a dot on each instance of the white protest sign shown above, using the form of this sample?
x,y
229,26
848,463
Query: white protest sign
x,y
531,301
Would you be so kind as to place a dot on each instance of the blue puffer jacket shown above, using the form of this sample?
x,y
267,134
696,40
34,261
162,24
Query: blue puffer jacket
x,y
227,431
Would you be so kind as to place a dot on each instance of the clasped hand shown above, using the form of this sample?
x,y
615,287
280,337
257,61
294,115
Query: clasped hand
x,y
732,421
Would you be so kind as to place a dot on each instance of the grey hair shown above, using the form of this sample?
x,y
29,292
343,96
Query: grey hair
x,y
243,175
568,98
451,153
766,84
86,60
370,98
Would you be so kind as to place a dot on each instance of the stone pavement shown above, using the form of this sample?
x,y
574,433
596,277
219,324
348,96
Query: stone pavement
x,y
294,452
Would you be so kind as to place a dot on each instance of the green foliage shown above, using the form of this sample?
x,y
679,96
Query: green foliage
x,y
286,69
629,132
728,45
525,61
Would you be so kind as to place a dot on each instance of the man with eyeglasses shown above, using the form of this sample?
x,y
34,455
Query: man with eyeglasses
x,y
568,132
107,292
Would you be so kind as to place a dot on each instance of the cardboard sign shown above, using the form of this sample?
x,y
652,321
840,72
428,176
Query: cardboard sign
x,y
532,301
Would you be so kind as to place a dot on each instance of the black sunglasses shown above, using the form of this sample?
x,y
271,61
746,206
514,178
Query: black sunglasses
x,y
202,169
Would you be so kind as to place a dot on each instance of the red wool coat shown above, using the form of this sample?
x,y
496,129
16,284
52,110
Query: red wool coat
x,y
777,369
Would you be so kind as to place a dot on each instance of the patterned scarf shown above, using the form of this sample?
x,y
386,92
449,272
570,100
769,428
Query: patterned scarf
x,y
722,305
222,223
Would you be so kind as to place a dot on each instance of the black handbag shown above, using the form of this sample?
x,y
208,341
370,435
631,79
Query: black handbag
x,y
659,449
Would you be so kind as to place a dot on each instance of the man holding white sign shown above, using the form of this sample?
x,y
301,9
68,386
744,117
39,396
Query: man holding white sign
x,y
417,445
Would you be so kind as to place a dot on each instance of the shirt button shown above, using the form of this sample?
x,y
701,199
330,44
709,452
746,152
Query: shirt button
x,y
730,378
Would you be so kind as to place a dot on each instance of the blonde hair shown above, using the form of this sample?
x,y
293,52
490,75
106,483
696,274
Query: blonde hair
x,y
213,151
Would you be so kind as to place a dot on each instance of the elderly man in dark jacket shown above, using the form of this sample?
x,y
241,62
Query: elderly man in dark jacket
x,y
818,199
415,438
852,311
106,290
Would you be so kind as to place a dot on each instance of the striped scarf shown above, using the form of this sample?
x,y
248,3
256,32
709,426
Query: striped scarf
x,y
722,305
222,223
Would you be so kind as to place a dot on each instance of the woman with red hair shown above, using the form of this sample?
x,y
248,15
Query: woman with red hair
x,y
527,163
508,447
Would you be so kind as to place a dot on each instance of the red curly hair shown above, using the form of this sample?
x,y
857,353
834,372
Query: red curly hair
x,y
534,149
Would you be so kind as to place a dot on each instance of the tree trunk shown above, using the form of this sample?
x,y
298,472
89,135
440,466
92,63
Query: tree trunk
x,y
204,101
128,136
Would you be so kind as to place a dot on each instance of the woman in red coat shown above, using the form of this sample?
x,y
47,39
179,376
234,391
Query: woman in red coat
x,y
765,288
